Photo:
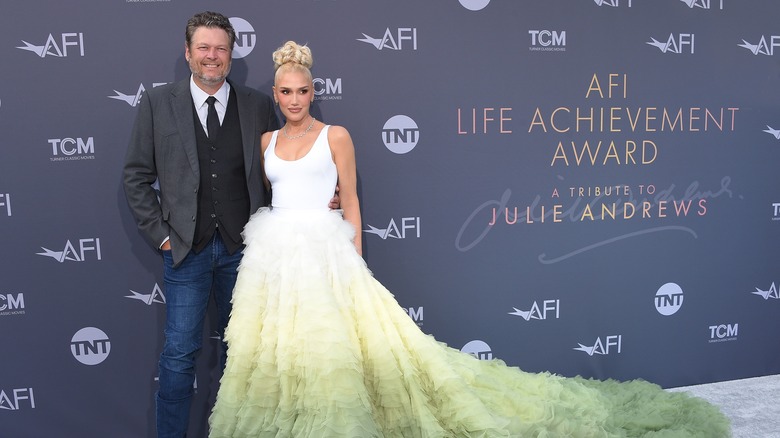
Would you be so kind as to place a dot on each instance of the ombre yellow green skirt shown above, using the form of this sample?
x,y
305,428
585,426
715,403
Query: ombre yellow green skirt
x,y
318,348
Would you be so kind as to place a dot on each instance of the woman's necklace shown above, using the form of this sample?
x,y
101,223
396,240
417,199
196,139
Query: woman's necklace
x,y
305,131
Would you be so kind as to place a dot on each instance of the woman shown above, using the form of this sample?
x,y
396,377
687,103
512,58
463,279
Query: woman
x,y
318,348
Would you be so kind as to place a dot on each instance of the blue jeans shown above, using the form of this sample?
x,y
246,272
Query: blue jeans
x,y
188,288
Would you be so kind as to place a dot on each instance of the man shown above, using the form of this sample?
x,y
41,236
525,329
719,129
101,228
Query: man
x,y
205,154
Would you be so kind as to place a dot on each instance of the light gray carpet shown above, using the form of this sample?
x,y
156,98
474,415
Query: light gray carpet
x,y
753,405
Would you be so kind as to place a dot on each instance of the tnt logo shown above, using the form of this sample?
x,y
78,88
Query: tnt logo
x,y
775,207
90,346
69,148
398,40
611,344
681,43
16,399
724,332
246,38
769,293
703,4
549,308
11,304
5,201
74,41
762,47
327,89
548,40
612,3
474,5
415,314
478,349
156,296
134,99
668,299
400,134
86,248
408,224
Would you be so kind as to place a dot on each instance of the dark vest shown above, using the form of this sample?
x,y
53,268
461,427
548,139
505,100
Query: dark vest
x,y
223,198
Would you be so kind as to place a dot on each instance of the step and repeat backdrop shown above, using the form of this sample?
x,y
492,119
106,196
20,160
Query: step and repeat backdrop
x,y
576,186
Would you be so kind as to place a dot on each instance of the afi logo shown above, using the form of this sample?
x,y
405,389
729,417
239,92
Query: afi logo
x,y
547,38
540,312
612,3
415,314
603,348
11,302
773,132
704,4
723,332
675,44
327,89
393,42
69,146
769,293
775,205
156,296
392,230
51,48
5,201
71,253
762,47
478,349
13,402
134,99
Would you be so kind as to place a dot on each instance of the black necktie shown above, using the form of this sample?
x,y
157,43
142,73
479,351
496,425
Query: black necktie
x,y
212,120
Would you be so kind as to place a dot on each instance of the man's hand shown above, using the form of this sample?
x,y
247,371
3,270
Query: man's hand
x,y
166,246
335,202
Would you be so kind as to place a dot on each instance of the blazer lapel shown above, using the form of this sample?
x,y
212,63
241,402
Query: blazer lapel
x,y
182,106
247,116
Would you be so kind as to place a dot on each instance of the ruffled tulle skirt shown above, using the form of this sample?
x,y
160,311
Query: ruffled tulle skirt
x,y
318,348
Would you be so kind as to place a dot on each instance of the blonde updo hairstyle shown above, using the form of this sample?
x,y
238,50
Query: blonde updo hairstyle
x,y
292,57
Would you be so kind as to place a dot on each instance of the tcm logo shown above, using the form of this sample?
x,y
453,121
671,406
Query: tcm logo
x,y
549,308
5,201
775,207
681,43
408,224
668,299
703,4
134,99
762,47
11,304
613,3
16,399
155,296
327,89
90,346
548,40
246,38
415,314
769,293
474,5
63,149
611,344
87,248
478,349
400,134
724,332
69,43
401,39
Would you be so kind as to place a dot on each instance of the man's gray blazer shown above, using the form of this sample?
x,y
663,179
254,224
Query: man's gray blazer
x,y
163,148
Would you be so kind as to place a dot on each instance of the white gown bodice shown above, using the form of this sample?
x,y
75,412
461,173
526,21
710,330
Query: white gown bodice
x,y
307,183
